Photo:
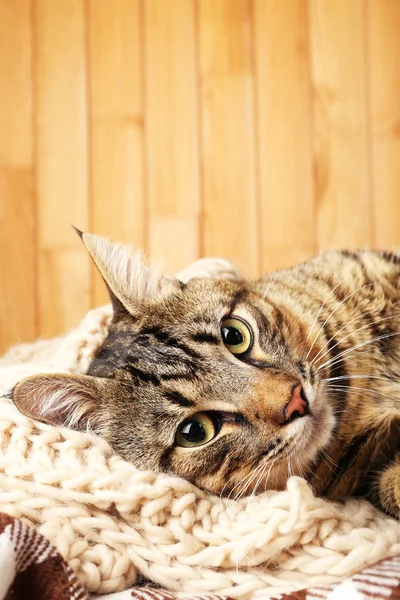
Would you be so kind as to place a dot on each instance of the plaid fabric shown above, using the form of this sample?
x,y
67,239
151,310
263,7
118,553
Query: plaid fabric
x,y
30,567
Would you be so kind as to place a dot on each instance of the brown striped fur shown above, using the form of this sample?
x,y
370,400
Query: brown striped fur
x,y
331,324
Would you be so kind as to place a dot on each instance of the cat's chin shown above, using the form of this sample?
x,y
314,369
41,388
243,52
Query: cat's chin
x,y
313,432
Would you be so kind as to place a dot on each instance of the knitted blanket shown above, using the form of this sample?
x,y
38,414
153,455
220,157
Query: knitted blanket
x,y
115,524
377,582
31,567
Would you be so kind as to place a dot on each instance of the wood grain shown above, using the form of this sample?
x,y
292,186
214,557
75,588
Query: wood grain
x,y
384,90
287,211
341,145
116,119
263,131
230,223
172,131
17,203
61,163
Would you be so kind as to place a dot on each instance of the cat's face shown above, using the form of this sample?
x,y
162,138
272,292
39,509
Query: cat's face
x,y
208,380
203,381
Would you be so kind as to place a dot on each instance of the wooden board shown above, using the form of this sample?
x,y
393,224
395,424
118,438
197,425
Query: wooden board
x,y
61,163
384,94
230,209
172,159
115,64
341,144
17,199
287,211
263,131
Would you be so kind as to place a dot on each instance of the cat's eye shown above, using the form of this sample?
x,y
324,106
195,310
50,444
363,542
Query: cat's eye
x,y
236,335
196,431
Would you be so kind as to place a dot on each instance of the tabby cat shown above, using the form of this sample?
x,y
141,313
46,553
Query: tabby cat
x,y
235,386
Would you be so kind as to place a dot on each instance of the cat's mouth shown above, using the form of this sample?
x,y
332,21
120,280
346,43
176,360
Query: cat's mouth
x,y
313,431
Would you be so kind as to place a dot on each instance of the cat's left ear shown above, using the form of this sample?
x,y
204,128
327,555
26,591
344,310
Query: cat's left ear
x,y
128,279
61,400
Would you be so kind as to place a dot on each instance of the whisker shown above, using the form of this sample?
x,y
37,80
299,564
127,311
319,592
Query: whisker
x,y
318,313
245,482
249,481
274,461
358,352
345,352
227,502
350,391
254,491
365,391
237,484
335,334
345,377
290,467
232,477
372,394
299,466
333,312
350,334
260,473
327,459
242,492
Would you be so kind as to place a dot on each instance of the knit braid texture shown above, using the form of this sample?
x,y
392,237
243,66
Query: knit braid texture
x,y
111,521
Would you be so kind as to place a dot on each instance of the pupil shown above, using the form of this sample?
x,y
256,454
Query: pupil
x,y
232,336
193,432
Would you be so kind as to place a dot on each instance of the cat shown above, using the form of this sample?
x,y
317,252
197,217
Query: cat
x,y
238,385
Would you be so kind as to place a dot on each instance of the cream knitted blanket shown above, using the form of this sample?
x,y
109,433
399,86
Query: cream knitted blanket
x,y
111,521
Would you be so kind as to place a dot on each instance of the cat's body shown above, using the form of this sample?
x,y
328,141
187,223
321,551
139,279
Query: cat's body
x,y
314,389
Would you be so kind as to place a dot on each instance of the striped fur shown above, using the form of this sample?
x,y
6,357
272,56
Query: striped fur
x,y
331,324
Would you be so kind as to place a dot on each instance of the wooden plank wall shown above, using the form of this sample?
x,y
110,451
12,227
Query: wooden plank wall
x,y
260,130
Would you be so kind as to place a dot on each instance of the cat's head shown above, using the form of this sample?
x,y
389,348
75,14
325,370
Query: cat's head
x,y
204,379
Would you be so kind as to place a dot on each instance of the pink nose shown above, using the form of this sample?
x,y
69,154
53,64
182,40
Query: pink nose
x,y
298,405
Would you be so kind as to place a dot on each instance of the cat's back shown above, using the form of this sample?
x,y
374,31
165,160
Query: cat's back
x,y
369,277
348,267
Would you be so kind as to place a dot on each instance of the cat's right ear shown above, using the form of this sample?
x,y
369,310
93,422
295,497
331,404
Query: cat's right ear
x,y
61,400
126,275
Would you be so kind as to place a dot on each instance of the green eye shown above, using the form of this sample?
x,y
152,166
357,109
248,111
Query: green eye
x,y
195,431
236,335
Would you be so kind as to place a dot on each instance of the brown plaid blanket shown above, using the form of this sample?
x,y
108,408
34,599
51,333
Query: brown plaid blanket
x,y
31,568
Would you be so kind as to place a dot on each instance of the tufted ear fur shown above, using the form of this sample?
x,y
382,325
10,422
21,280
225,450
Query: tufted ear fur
x,y
61,400
127,277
